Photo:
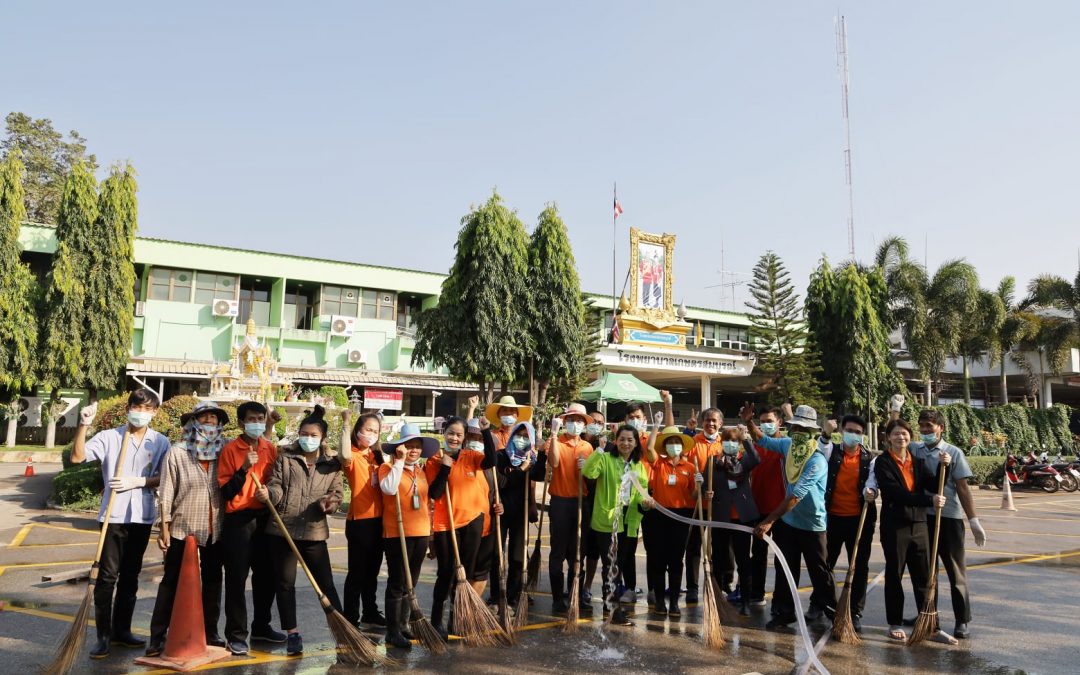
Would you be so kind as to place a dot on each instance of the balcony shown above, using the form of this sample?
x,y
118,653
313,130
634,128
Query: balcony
x,y
715,346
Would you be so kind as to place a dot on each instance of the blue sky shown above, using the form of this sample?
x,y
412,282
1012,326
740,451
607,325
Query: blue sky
x,y
364,131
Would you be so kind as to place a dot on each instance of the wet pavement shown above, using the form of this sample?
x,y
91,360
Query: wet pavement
x,y
1025,587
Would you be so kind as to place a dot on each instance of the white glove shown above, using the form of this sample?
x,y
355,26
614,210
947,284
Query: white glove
x,y
580,463
870,494
698,478
658,418
896,402
556,424
601,442
125,483
978,531
87,414
939,501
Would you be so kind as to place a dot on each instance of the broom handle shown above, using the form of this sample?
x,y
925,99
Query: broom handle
x,y
937,524
525,536
577,548
498,528
543,502
855,548
706,532
453,532
292,544
112,497
404,548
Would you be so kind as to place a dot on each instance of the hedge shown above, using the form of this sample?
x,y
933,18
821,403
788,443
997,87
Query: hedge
x,y
1020,428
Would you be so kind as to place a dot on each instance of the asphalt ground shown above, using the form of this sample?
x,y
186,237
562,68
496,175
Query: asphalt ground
x,y
1025,587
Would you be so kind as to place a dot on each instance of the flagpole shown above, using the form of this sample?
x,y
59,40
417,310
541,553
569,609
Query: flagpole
x,y
614,239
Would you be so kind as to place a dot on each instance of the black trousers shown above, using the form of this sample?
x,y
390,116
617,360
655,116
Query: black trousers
x,y
317,558
562,526
664,553
841,532
245,546
730,545
512,538
905,546
469,541
625,564
810,546
210,568
693,560
365,560
759,567
951,554
396,596
119,568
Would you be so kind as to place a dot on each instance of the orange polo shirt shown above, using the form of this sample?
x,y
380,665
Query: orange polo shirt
x,y
845,496
417,522
564,478
232,457
502,437
363,480
907,470
677,495
704,449
469,490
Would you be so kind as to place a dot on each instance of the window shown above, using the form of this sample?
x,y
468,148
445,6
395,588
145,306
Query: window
x,y
170,284
339,300
379,305
298,308
407,311
254,301
210,286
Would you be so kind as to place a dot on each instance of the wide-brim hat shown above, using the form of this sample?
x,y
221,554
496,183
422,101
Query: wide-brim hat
x,y
576,410
491,412
429,446
672,432
805,417
202,407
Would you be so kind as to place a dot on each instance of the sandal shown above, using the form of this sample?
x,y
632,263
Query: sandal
x,y
897,633
944,638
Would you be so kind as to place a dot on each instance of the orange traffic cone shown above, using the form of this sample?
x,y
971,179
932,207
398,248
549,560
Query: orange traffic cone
x,y
1006,497
29,467
185,646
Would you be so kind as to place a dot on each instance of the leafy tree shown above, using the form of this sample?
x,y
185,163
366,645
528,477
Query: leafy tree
x,y
1050,338
110,282
18,296
1054,291
978,330
929,311
1015,326
48,158
478,330
780,338
557,312
845,312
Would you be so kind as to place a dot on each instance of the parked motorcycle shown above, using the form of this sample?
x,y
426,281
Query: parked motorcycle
x,y
1031,474
1070,476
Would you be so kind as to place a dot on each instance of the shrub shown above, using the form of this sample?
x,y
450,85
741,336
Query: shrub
x,y
986,470
79,485
112,412
1024,428
338,395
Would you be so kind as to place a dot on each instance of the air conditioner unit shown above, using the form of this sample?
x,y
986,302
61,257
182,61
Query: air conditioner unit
x,y
140,308
342,326
357,356
224,307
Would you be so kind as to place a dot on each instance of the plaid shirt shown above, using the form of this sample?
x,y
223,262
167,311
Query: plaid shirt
x,y
190,497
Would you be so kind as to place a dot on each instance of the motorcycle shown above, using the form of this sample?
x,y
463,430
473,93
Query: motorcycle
x,y
1070,475
1031,474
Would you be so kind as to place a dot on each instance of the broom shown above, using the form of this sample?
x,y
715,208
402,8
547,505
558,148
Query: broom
x,y
504,610
521,610
843,630
711,629
570,626
534,559
472,620
420,625
72,644
927,623
353,646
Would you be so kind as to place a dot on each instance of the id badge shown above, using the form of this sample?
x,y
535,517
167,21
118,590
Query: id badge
x,y
671,479
416,502
731,485
374,479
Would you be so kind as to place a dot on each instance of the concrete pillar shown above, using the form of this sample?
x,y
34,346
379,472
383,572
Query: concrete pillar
x,y
1047,394
706,392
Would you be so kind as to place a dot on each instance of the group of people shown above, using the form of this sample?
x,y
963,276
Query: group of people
x,y
412,496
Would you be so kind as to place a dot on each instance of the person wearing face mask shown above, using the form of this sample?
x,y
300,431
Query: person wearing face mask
x,y
360,460
503,415
459,467
304,487
637,418
244,543
404,484
849,471
800,519
566,455
192,504
707,444
133,512
732,502
674,482
768,487
513,468
594,430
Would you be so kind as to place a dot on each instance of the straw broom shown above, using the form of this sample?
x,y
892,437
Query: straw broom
x,y
570,625
927,623
72,644
420,625
352,646
521,610
711,629
504,610
472,620
534,560
843,630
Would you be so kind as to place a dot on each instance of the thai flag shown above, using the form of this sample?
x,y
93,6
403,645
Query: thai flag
x,y
618,208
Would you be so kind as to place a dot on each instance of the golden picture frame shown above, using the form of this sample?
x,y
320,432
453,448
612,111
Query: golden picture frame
x,y
651,279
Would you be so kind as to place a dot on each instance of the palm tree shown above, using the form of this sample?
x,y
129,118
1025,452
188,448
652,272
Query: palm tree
x,y
1015,326
1055,335
929,311
1053,291
978,333
1052,338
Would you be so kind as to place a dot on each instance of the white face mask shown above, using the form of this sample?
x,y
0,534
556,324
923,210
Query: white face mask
x,y
638,424
508,420
731,447
478,446
594,429
137,419
673,449
574,428
710,437
365,440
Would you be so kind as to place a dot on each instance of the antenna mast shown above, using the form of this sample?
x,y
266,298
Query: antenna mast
x,y
845,86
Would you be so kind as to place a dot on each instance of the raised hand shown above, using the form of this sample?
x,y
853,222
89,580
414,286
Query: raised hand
x,y
828,427
896,402
87,414
746,412
786,408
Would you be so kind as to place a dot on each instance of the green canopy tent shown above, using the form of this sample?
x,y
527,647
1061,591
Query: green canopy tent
x,y
620,387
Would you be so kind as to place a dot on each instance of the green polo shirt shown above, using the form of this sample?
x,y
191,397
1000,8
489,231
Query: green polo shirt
x,y
608,470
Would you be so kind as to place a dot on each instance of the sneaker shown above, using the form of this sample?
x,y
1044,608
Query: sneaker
x,y
691,597
856,623
294,644
238,647
619,618
744,609
101,648
814,613
586,595
559,606
215,640
374,619
155,648
128,639
757,602
673,608
660,608
780,621
735,597
267,634
629,597
961,631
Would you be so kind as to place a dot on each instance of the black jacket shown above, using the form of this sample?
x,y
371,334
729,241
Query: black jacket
x,y
741,497
900,507
836,459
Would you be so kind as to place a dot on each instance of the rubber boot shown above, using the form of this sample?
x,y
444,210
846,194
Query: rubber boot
x,y
437,619
558,597
394,638
406,618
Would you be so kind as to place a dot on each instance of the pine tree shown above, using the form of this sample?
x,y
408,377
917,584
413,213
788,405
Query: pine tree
x,y
110,282
479,329
556,308
18,296
785,354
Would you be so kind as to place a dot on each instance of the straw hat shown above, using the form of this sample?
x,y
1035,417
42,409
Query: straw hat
x,y
672,432
429,447
491,412
202,407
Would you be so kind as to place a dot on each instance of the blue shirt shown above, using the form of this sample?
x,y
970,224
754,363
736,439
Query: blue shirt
x,y
959,469
809,513
142,459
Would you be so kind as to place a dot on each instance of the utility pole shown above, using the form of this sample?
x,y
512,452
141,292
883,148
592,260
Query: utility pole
x,y
845,86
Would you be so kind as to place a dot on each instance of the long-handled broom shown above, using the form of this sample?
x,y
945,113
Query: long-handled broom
x,y
352,646
711,629
570,625
72,644
472,620
843,630
927,622
533,571
420,625
521,610
504,609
